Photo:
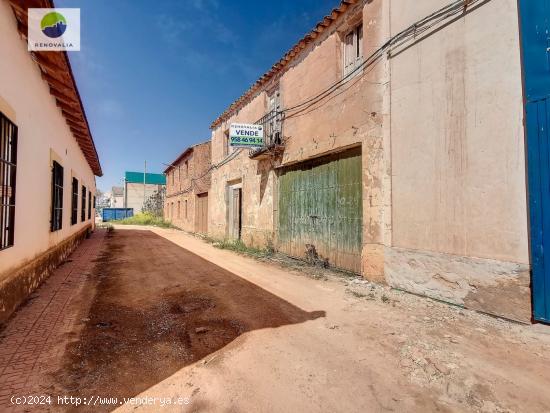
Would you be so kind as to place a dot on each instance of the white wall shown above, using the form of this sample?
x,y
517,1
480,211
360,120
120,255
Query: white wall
x,y
134,195
43,135
458,175
117,202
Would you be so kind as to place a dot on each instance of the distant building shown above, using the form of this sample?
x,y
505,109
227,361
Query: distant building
x,y
139,186
103,200
48,161
187,186
117,197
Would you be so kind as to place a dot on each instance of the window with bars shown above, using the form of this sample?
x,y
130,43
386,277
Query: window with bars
x,y
83,206
74,202
8,166
89,205
353,50
56,222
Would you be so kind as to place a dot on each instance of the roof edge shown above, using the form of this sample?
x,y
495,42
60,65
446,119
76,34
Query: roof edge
x,y
183,154
287,58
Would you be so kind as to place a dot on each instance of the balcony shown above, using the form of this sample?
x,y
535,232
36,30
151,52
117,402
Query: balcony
x,y
272,123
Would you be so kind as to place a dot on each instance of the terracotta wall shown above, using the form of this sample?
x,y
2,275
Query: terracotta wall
x,y
189,177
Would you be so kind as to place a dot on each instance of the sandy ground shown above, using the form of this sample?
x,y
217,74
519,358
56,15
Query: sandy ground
x,y
165,322
375,349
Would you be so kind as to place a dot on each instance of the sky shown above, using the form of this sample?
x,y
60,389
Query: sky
x,y
153,75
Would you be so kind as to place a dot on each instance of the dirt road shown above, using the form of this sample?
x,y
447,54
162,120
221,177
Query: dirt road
x,y
158,308
180,326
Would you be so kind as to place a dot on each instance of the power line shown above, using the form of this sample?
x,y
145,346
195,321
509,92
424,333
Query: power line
x,y
413,31
455,8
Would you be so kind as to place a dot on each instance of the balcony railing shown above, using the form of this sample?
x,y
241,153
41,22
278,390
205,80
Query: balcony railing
x,y
272,123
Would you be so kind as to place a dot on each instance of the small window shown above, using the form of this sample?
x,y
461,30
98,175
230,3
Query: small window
x,y
353,50
8,164
186,209
56,222
83,205
226,143
178,209
74,202
89,205
186,168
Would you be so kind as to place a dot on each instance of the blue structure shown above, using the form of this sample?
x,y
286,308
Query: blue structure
x,y
114,214
535,42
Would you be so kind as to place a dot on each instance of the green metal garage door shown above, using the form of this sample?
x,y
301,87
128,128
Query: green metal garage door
x,y
320,204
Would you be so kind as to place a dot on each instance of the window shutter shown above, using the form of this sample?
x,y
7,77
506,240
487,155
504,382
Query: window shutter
x,y
360,42
349,57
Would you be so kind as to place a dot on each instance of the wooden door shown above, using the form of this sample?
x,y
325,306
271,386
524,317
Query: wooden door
x,y
201,214
320,207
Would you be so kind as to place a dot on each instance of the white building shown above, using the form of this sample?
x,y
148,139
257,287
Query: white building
x,y
48,162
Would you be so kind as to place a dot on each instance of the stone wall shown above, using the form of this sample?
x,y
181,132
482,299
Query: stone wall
x,y
17,285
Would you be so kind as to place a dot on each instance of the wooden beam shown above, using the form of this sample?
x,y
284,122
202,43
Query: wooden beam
x,y
80,129
18,7
45,61
56,83
73,118
78,132
64,98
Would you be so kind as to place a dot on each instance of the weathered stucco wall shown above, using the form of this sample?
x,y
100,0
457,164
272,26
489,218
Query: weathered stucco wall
x,y
43,137
439,121
357,113
458,182
257,179
354,116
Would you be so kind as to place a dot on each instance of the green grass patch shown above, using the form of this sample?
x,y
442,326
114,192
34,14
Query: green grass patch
x,y
145,219
239,247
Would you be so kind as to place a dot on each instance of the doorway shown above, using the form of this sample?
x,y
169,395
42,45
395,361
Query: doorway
x,y
235,203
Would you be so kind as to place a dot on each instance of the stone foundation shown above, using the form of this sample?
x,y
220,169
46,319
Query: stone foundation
x,y
495,287
20,283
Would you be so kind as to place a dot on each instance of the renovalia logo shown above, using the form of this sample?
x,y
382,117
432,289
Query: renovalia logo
x,y
54,29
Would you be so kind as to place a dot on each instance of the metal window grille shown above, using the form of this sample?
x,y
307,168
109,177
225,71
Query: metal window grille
x,y
83,206
89,205
74,202
56,222
8,165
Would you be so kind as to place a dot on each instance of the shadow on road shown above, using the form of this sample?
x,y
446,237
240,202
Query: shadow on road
x,y
157,308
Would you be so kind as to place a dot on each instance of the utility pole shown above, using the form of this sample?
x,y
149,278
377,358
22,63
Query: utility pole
x,y
125,193
144,182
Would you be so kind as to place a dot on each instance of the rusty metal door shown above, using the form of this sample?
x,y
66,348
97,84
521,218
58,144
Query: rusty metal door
x,y
320,206
201,214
